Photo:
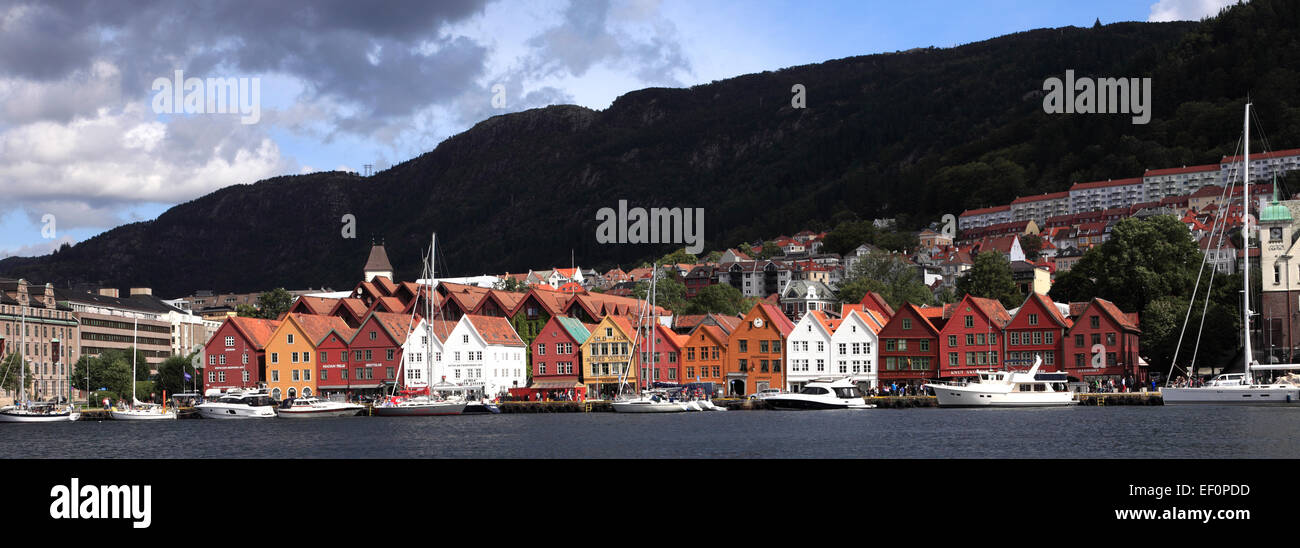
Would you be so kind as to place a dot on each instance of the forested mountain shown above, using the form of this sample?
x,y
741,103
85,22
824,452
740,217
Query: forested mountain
x,y
914,134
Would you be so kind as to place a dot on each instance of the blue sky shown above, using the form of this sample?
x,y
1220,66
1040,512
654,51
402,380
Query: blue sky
x,y
342,86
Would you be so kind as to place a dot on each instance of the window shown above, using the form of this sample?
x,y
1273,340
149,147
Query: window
x,y
1110,338
1094,322
230,341
907,323
275,375
1078,340
970,339
293,357
1033,319
1015,338
952,340
289,340
275,357
762,347
370,354
295,375
389,353
925,345
373,336
1048,337
970,321
744,346
541,349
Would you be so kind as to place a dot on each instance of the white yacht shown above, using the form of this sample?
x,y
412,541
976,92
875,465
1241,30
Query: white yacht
x,y
821,394
1007,389
239,404
418,406
295,408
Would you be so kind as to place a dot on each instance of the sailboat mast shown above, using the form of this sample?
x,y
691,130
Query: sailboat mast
x,y
22,360
1245,238
428,307
135,341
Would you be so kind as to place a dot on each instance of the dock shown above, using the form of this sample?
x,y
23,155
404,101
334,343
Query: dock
x,y
1119,398
903,402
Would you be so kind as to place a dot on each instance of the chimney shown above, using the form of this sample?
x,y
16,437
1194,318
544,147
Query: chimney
x,y
108,292
141,291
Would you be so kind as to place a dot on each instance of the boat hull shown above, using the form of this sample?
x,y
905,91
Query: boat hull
x,y
649,407
8,416
310,413
433,410
1223,395
481,409
965,396
236,412
141,416
796,402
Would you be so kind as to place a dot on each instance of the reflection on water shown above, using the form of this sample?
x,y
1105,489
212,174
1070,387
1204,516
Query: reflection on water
x,y
1083,432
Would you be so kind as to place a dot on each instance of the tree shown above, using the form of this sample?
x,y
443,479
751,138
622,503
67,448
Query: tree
x,y
171,375
1032,245
719,299
274,303
770,249
677,257
511,284
888,275
247,311
110,370
990,278
11,373
847,236
1142,261
669,293
713,257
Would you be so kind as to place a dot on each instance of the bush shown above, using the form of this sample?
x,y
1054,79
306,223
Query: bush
x,y
97,398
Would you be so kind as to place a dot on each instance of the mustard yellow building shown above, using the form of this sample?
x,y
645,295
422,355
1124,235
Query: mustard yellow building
x,y
292,362
607,357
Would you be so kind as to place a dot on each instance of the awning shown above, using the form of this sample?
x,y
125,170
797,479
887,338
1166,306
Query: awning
x,y
557,384
347,386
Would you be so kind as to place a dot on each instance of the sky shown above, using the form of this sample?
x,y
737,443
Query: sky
x,y
92,135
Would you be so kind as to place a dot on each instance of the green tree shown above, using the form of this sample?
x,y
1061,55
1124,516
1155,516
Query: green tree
x,y
888,275
511,284
990,278
770,249
713,257
1142,261
1032,246
11,373
171,375
110,370
274,303
847,236
718,299
669,293
678,257
247,311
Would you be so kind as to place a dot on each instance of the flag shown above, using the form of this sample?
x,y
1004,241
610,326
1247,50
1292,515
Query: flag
x,y
187,376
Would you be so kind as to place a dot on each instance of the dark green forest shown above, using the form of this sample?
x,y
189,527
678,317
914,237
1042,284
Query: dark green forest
x,y
911,135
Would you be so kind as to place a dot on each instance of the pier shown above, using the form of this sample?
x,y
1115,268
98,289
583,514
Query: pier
x,y
903,402
1119,398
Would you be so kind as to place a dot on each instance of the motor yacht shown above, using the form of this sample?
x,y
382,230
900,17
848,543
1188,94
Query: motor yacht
x,y
1007,389
239,404
821,394
294,408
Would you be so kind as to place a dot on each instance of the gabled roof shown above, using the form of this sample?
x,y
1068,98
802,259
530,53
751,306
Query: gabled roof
x,y
398,326
495,330
576,329
1047,304
256,330
875,301
716,333
314,305
385,285
776,318
317,327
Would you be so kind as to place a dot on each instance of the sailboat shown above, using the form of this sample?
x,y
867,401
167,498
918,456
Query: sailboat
x,y
25,411
422,402
138,410
1240,388
650,401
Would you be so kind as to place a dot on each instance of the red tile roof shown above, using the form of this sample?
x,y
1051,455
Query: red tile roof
x,y
256,330
1179,170
1042,197
985,210
1101,184
1266,155
495,330
317,327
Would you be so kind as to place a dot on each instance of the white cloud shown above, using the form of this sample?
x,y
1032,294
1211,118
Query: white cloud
x,y
44,247
1186,10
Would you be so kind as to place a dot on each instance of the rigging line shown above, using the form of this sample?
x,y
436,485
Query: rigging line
x,y
1191,303
1223,230
1259,127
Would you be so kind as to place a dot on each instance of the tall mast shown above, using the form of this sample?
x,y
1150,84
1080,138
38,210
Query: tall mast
x,y
135,341
22,359
428,322
1245,161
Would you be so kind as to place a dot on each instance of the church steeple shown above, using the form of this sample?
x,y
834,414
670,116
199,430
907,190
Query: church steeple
x,y
377,263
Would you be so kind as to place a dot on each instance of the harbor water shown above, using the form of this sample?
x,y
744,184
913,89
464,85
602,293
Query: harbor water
x,y
1078,432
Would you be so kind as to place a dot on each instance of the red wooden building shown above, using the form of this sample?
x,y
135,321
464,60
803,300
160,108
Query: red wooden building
x,y
332,372
1102,345
909,345
1037,329
970,338
557,358
235,356
376,351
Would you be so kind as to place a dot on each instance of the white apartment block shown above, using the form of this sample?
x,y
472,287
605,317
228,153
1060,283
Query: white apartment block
x,y
1178,181
1039,208
1262,166
1100,195
980,218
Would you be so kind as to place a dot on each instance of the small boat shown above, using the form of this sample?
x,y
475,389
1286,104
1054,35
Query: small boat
x,y
834,394
143,412
239,404
480,408
295,408
419,406
708,405
649,403
39,412
1007,389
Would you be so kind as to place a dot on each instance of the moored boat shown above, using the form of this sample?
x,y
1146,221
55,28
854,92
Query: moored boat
x,y
834,394
295,408
1007,389
239,404
39,412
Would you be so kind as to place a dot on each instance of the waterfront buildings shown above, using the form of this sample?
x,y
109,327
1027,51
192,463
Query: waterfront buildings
x,y
235,357
45,332
756,351
607,354
485,351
